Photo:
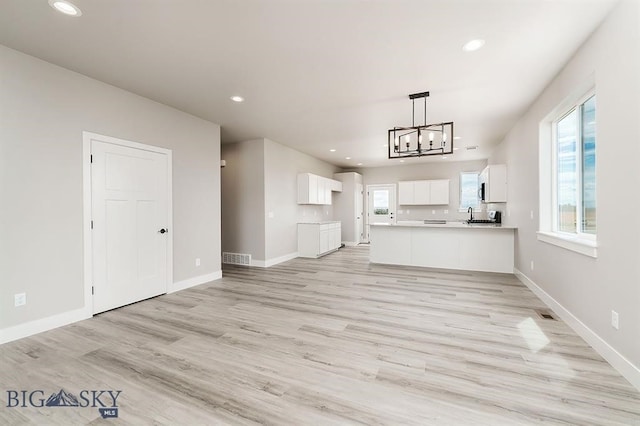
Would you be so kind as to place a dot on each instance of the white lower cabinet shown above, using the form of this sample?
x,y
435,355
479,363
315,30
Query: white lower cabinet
x,y
318,239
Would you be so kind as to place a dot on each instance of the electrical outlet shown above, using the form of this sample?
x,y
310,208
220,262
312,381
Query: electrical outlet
x,y
271,215
197,261
532,265
615,320
20,299
446,211
433,212
408,211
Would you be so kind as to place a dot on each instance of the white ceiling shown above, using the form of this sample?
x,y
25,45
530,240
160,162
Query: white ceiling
x,y
318,74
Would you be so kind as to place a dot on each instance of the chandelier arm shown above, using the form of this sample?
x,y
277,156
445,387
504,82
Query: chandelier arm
x,y
425,111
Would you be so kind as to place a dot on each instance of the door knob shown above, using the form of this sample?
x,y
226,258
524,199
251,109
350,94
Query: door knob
x,y
163,230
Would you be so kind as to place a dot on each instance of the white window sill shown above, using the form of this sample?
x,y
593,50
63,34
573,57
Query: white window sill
x,y
577,244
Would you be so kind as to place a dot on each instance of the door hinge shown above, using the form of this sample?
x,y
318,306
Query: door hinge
x,y
91,224
92,290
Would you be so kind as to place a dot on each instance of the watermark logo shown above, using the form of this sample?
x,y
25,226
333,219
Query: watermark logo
x,y
106,401
62,399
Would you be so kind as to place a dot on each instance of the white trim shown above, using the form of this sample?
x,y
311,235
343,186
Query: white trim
x,y
625,367
87,137
195,281
270,262
350,243
587,247
30,328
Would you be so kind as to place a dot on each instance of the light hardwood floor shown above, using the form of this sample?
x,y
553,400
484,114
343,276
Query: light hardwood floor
x,y
328,341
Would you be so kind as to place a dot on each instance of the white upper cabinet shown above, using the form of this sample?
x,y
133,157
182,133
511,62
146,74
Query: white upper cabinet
x,y
423,192
405,193
439,191
314,189
494,178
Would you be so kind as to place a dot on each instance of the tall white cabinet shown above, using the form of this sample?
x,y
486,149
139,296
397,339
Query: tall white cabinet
x,y
348,207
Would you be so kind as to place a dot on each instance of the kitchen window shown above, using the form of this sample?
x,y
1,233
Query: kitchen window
x,y
469,191
570,218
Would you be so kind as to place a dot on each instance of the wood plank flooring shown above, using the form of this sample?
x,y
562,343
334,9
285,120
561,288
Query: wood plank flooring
x,y
328,341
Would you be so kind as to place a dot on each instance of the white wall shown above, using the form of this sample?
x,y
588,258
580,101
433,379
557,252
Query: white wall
x,y
243,198
437,170
260,206
590,288
45,109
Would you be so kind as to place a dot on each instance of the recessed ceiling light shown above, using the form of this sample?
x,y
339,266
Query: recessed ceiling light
x,y
332,150
444,157
237,99
457,137
359,164
65,7
456,148
402,161
473,45
347,158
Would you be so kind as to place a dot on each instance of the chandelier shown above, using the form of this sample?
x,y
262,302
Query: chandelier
x,y
421,140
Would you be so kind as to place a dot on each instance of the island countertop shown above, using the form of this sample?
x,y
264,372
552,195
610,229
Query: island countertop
x,y
452,224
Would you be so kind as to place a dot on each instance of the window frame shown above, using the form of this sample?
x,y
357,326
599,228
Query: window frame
x,y
549,232
479,204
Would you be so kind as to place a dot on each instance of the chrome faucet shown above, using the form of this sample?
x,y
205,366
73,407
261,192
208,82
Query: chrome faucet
x,y
470,211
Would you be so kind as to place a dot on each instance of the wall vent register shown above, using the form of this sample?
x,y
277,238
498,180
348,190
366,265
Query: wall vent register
x,y
236,258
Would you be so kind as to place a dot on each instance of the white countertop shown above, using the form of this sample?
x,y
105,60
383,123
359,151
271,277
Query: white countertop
x,y
448,225
324,222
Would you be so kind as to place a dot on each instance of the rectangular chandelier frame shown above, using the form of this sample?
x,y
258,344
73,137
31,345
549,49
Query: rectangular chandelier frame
x,y
421,140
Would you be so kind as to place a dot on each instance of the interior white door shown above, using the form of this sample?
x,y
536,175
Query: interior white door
x,y
359,213
381,204
130,224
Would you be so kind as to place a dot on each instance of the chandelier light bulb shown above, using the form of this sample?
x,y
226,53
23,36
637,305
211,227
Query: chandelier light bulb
x,y
444,137
431,136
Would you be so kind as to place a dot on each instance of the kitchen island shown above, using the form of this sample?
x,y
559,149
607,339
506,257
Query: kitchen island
x,y
452,245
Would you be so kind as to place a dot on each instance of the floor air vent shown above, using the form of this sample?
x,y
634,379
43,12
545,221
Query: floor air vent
x,y
236,258
548,315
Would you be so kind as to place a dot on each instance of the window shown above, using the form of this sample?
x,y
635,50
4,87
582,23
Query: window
x,y
380,202
568,176
469,191
575,169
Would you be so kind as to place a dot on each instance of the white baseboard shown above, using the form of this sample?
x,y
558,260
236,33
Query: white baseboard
x,y
350,243
49,323
44,324
270,262
625,367
192,282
